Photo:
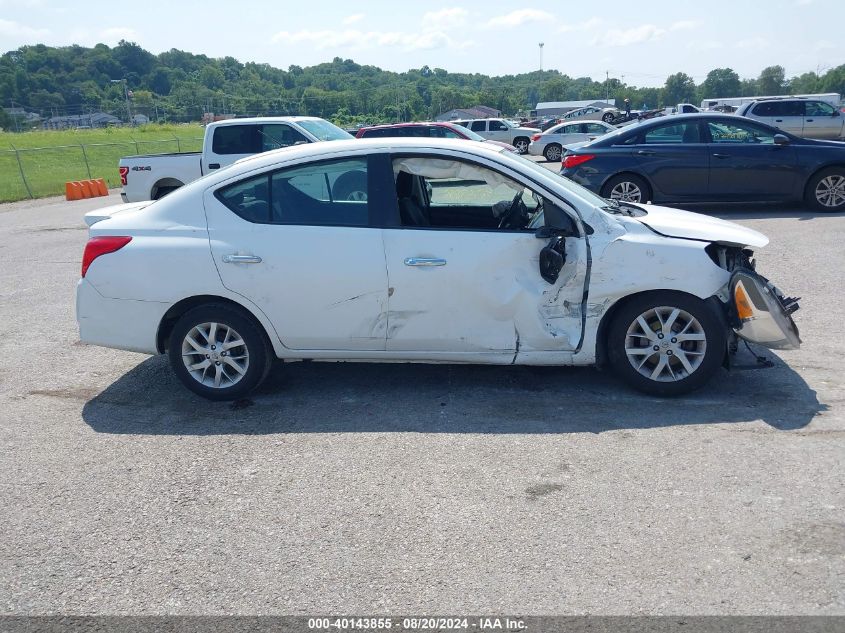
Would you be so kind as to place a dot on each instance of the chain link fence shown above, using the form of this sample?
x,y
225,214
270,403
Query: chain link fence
x,y
43,171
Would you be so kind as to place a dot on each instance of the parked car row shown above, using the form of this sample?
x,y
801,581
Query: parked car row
x,y
709,157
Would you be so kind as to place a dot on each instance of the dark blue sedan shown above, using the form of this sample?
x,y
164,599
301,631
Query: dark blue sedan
x,y
710,157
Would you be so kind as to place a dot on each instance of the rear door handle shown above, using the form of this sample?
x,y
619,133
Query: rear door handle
x,y
214,165
424,261
722,155
778,120
241,259
809,120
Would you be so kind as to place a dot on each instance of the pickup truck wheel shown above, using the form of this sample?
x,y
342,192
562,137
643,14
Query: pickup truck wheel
x,y
626,187
666,343
521,144
218,352
350,186
826,190
553,152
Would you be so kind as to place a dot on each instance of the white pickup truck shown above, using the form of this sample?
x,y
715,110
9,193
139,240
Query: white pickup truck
x,y
155,175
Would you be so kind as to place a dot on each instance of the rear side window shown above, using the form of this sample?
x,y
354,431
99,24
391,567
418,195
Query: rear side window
x,y
673,133
329,193
237,139
779,108
478,126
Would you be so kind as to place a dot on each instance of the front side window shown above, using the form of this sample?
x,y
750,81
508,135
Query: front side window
x,y
818,108
673,133
498,126
330,193
734,133
595,128
280,135
446,193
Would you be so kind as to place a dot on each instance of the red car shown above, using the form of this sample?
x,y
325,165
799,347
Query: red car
x,y
437,129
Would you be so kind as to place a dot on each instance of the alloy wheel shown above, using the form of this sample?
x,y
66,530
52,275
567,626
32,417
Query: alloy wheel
x,y
215,355
830,192
665,344
626,191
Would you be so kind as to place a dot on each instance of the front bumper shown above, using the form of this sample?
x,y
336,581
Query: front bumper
x,y
761,313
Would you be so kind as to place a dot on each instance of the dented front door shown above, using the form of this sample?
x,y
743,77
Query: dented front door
x,y
467,291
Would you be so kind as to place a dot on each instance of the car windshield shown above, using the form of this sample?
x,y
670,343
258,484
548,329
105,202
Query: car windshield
x,y
472,135
569,185
324,130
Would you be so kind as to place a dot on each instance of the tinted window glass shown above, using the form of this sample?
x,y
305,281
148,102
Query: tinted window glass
x,y
330,193
478,126
724,132
376,133
818,108
673,133
779,108
237,139
498,126
595,128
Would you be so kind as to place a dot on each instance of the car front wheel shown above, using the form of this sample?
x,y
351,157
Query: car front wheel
x,y
219,352
666,343
826,190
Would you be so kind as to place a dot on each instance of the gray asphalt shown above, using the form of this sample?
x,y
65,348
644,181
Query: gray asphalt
x,y
354,488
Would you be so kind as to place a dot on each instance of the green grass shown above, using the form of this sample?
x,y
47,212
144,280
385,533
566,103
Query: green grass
x,y
50,158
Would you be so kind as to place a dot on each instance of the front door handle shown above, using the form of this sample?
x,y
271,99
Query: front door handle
x,y
809,120
778,120
646,152
241,259
424,261
214,165
722,155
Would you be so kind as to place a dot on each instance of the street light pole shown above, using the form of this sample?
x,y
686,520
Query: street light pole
x,y
125,94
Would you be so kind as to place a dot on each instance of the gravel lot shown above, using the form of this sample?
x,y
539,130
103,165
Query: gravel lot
x,y
354,488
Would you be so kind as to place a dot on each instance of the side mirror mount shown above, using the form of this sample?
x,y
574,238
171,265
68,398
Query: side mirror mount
x,y
836,113
781,139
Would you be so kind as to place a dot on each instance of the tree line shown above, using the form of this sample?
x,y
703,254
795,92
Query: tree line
x,y
181,86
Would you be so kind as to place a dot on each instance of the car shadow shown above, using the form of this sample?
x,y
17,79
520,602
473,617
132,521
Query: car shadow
x,y
370,397
755,210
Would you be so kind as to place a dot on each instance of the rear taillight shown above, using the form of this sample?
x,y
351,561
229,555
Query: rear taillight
x,y
124,172
573,160
97,246
536,137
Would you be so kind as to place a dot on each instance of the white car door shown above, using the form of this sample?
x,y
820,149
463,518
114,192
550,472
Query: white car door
x,y
297,243
459,284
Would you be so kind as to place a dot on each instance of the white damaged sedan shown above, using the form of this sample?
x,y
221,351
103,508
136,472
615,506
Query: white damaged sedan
x,y
420,250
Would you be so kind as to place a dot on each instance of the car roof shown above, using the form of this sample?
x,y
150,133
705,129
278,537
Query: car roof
x,y
385,126
266,119
356,147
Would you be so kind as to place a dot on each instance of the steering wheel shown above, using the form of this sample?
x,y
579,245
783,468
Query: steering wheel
x,y
513,213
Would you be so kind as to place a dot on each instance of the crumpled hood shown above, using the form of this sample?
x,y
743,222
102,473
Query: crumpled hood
x,y
695,226
92,217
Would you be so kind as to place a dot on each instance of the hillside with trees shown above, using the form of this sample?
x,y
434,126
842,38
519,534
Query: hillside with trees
x,y
181,86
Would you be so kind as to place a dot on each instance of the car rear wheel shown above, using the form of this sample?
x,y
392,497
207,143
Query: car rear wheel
x,y
826,190
553,152
666,343
521,144
626,187
607,117
219,352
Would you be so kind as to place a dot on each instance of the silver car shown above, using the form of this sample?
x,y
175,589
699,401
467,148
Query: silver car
x,y
592,113
808,118
551,142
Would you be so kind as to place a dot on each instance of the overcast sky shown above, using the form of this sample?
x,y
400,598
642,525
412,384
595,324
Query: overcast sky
x,y
642,40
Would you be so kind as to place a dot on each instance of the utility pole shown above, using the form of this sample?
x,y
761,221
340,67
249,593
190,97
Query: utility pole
x,y
541,56
125,94
607,86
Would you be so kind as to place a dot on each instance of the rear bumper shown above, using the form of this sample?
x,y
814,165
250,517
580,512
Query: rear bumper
x,y
761,313
117,323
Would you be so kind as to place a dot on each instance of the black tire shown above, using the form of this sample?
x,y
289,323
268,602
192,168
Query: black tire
x,y
521,144
350,186
163,191
629,182
608,117
826,190
259,352
695,318
553,152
